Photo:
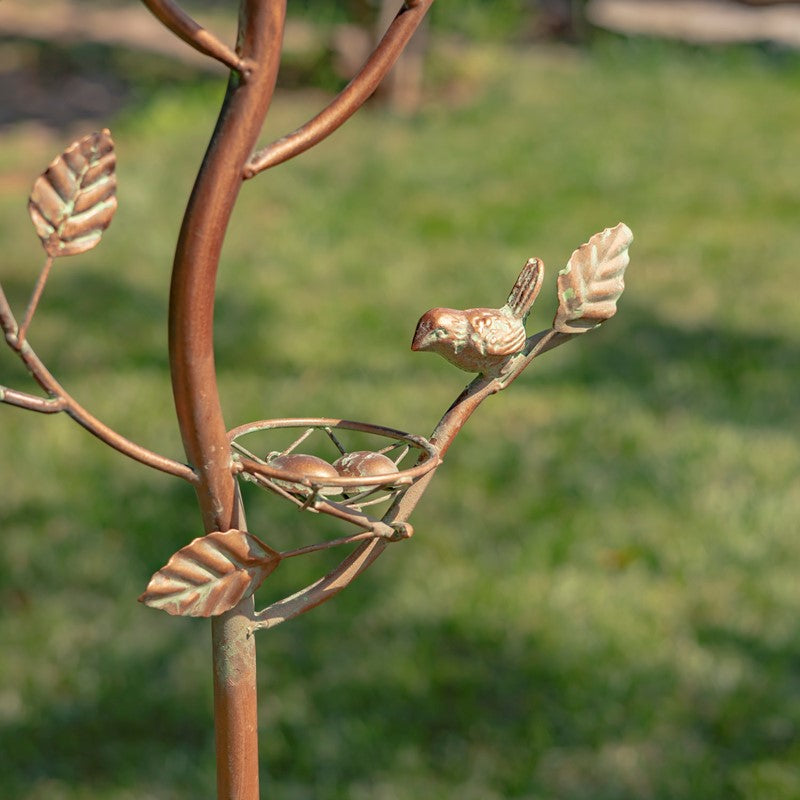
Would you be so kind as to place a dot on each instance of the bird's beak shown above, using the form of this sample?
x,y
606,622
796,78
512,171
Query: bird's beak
x,y
420,339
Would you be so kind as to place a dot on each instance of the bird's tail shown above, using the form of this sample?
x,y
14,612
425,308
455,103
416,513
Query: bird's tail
x,y
526,288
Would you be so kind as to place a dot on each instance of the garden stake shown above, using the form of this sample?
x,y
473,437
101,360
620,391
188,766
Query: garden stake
x,y
216,575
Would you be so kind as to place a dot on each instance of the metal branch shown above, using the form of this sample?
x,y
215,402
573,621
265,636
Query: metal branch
x,y
358,518
315,548
324,589
484,386
30,402
126,446
351,98
465,405
7,320
35,297
61,400
172,16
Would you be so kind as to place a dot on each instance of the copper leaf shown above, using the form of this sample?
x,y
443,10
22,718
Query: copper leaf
x,y
592,282
211,575
74,199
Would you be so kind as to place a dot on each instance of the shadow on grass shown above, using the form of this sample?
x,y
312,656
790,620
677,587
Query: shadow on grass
x,y
718,373
132,729
58,84
437,705
454,707
104,704
761,717
723,374
122,322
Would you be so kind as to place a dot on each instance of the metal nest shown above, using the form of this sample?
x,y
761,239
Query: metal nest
x,y
354,479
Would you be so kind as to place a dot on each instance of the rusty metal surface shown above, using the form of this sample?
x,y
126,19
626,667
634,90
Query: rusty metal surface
x,y
593,280
233,650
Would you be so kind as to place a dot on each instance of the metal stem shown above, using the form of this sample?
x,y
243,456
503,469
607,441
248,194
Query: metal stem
x,y
34,301
351,98
61,400
194,379
181,24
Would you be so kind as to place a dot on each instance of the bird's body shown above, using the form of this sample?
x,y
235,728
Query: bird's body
x,y
481,339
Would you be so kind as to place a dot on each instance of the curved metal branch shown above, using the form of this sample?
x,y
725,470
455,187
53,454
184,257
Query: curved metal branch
x,y
7,320
483,386
61,400
315,548
125,446
35,297
172,16
197,256
465,405
324,589
351,98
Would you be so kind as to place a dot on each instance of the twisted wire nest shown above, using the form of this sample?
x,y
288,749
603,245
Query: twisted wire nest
x,y
358,478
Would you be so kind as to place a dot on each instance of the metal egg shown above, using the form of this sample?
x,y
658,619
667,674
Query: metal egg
x,y
364,464
312,467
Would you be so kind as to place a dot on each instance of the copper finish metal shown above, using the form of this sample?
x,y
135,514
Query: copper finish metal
x,y
351,98
482,339
194,382
181,24
428,458
218,573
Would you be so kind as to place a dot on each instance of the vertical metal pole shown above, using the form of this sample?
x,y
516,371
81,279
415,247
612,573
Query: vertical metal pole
x,y
235,704
194,380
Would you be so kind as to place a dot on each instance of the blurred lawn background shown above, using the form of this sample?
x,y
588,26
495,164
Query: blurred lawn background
x,y
601,599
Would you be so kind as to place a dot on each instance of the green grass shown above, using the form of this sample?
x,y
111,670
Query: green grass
x,y
600,601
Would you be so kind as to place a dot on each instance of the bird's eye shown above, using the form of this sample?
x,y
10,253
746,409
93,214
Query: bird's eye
x,y
440,333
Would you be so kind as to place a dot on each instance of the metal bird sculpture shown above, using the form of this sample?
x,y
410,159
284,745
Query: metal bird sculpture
x,y
482,339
